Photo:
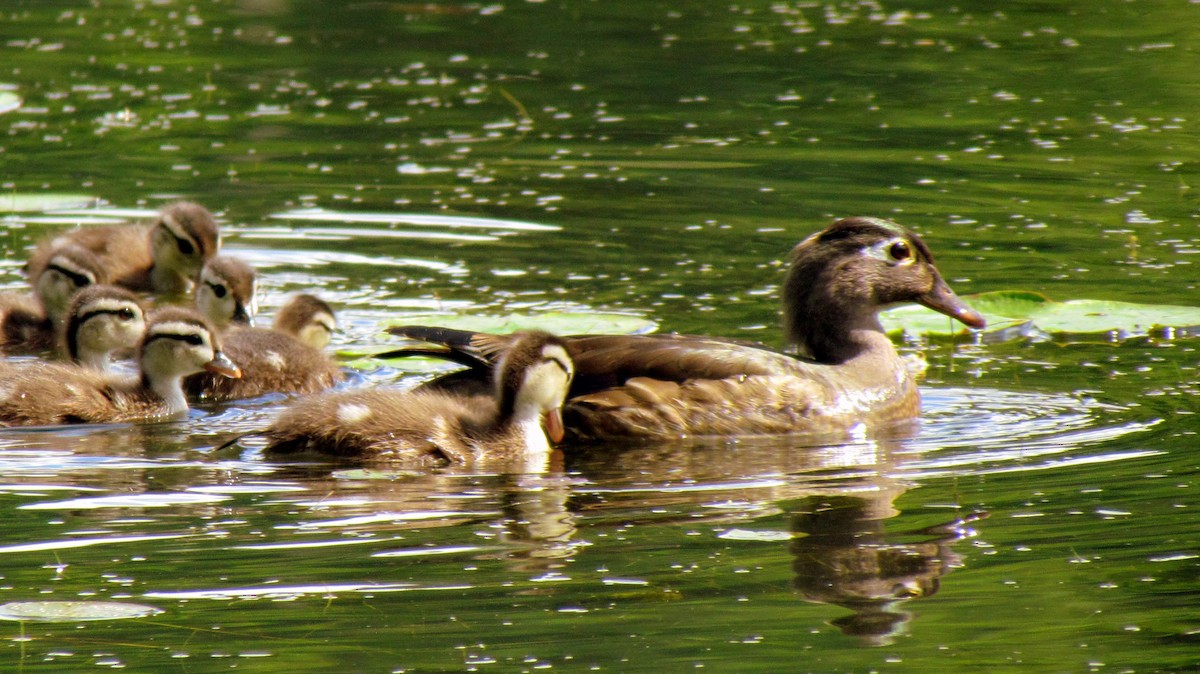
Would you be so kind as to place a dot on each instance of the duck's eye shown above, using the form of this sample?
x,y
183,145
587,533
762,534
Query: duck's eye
x,y
218,290
194,340
900,251
125,314
185,246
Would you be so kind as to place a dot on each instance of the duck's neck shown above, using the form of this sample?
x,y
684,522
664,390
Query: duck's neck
x,y
95,359
835,338
170,389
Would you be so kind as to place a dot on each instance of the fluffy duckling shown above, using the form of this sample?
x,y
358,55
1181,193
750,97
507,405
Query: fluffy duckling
x,y
670,386
308,318
177,342
272,361
163,257
30,323
227,292
430,428
103,319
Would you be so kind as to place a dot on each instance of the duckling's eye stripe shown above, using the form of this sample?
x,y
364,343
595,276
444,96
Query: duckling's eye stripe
x,y
80,279
185,243
185,332
123,311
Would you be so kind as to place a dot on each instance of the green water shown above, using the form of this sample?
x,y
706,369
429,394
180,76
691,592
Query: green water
x,y
1040,518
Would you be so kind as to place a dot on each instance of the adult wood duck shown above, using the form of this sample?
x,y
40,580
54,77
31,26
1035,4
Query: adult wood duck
x,y
514,426
163,257
31,322
272,360
177,343
102,321
670,386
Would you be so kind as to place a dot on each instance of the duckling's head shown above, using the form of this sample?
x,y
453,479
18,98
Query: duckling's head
x,y
70,268
183,238
102,319
179,342
840,278
533,376
308,318
227,292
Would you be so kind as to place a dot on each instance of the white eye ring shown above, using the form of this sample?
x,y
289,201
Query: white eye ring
x,y
897,251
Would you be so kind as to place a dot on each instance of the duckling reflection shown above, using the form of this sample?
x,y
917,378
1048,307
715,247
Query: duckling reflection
x,y
847,558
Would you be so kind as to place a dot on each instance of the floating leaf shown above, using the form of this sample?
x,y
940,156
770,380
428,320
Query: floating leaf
x,y
1030,313
73,611
9,102
41,202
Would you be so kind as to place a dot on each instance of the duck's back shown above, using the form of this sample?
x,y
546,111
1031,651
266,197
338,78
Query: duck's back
x,y
418,428
44,394
124,250
24,327
271,362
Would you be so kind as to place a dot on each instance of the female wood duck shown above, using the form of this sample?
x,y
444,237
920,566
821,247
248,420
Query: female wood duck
x,y
226,293
30,322
103,320
177,343
515,425
272,360
670,386
163,257
308,318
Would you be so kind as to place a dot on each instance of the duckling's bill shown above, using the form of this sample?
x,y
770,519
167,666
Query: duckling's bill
x,y
553,423
220,364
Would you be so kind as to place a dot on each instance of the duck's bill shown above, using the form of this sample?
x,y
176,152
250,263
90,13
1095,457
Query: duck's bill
x,y
943,300
220,364
553,423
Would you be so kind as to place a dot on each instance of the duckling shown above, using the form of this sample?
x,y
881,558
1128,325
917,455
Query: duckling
x,y
163,257
103,319
516,424
29,323
272,361
308,318
670,386
177,342
227,292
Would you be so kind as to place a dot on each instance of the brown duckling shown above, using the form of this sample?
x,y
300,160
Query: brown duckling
x,y
30,322
163,257
177,342
430,428
670,386
272,361
103,320
227,292
308,318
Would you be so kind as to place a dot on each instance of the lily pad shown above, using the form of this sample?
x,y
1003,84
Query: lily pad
x,y
1030,313
73,611
9,102
42,202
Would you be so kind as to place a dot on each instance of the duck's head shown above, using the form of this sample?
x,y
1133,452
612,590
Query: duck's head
x,y
102,319
70,268
179,342
227,292
183,238
308,318
839,279
532,379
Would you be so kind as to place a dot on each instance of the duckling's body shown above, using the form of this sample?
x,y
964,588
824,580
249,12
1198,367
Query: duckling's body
x,y
670,386
432,428
177,342
271,360
102,321
163,257
29,323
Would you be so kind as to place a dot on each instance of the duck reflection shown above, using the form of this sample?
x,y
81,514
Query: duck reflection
x,y
845,556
